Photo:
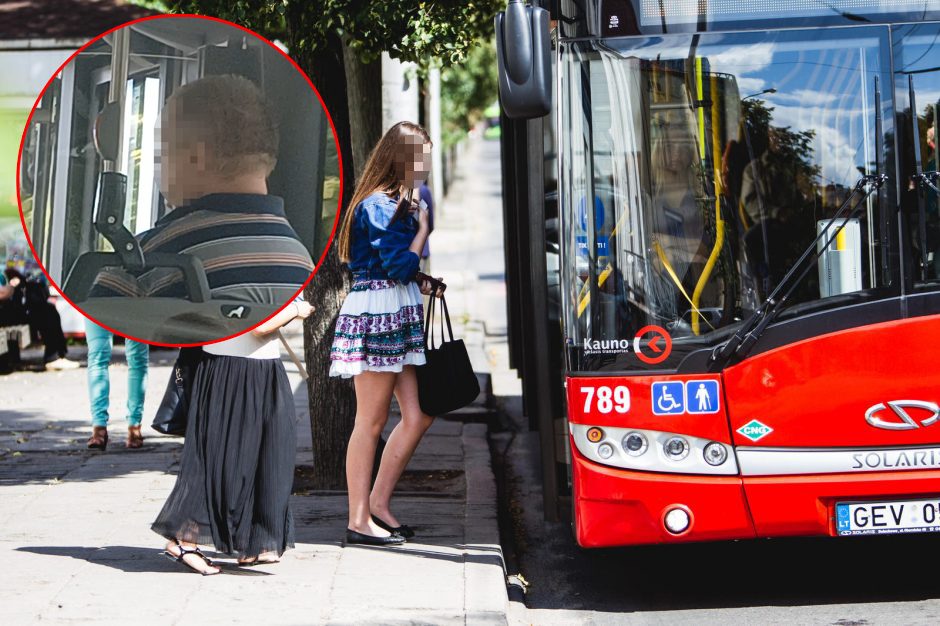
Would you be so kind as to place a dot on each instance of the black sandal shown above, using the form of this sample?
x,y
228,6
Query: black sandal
x,y
180,558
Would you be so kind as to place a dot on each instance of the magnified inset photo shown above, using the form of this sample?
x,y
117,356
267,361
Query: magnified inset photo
x,y
179,179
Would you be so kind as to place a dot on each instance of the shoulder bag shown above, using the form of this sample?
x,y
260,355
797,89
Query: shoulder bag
x,y
446,382
174,408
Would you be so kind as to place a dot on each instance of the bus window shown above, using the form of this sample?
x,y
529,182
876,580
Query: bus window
x,y
917,50
22,75
715,172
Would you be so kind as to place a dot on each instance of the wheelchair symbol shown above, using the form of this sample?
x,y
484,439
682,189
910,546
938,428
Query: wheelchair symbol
x,y
667,403
668,398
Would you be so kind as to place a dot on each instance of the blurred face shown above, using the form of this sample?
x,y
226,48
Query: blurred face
x,y
181,161
931,139
413,162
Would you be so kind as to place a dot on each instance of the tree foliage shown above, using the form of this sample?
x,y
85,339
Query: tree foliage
x,y
466,90
409,30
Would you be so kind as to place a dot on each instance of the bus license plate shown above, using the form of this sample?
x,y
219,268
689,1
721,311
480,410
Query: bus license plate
x,y
886,518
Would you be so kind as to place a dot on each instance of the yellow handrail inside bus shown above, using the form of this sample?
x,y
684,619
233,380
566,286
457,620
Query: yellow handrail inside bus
x,y
675,278
585,298
745,222
719,223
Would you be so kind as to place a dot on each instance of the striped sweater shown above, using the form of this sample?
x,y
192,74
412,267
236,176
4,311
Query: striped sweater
x,y
246,245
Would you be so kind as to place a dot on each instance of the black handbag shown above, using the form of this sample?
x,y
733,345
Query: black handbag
x,y
446,382
174,408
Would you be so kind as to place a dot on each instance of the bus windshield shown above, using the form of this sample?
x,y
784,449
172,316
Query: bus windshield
x,y
696,169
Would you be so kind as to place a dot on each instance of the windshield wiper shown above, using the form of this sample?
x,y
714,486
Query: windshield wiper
x,y
930,180
753,327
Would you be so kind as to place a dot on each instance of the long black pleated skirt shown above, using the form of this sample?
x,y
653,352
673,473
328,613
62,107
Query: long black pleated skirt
x,y
237,467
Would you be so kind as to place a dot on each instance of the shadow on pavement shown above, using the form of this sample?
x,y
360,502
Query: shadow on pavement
x,y
35,449
480,559
134,559
779,572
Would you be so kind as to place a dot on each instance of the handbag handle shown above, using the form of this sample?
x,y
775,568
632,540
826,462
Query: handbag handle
x,y
429,325
446,316
443,314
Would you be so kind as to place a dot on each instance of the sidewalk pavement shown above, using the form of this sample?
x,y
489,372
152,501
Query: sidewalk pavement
x,y
74,524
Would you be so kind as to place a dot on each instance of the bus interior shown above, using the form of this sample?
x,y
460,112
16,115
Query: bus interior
x,y
88,182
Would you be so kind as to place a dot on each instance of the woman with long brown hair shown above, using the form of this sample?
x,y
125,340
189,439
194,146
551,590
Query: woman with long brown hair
x,y
379,336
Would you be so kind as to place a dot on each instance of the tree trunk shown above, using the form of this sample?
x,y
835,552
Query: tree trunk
x,y
341,81
332,401
364,89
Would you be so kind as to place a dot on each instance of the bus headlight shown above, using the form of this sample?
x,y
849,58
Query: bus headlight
x,y
715,453
676,448
635,444
645,450
605,451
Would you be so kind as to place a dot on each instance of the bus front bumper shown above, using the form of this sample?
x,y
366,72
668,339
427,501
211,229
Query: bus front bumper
x,y
619,507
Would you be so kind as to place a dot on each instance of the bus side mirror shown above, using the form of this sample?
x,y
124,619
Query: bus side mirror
x,y
523,48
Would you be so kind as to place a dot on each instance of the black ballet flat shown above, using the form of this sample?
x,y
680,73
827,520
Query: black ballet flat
x,y
404,530
370,540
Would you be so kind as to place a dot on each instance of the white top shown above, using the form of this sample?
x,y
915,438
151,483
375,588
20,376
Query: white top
x,y
248,346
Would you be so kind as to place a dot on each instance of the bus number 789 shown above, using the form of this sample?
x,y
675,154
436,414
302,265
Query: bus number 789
x,y
616,399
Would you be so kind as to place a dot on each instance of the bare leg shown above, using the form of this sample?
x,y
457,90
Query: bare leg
x,y
401,445
373,397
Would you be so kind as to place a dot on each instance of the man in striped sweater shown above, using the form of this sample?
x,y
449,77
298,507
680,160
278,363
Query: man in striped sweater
x,y
218,144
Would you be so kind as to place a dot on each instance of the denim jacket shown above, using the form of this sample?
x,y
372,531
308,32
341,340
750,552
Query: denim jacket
x,y
378,247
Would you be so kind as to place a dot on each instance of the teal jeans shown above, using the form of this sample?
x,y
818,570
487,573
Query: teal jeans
x,y
99,385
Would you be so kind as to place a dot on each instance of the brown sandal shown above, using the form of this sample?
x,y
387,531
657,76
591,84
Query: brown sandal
x,y
257,560
134,438
99,438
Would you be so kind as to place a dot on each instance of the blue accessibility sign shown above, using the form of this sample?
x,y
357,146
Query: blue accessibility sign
x,y
701,396
668,398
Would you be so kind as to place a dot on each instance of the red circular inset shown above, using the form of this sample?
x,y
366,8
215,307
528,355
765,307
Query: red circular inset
x,y
58,72
657,349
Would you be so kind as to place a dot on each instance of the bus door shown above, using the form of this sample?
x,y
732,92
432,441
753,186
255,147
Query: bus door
x,y
916,50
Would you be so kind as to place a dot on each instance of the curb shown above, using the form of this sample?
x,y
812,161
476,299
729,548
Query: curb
x,y
486,599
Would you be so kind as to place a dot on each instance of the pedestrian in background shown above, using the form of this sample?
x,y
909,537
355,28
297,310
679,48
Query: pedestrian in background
x,y
379,336
99,342
24,299
428,198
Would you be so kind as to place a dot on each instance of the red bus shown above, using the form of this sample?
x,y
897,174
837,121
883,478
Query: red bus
x,y
738,208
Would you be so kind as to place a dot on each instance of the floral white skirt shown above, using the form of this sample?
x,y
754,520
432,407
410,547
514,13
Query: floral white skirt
x,y
380,329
